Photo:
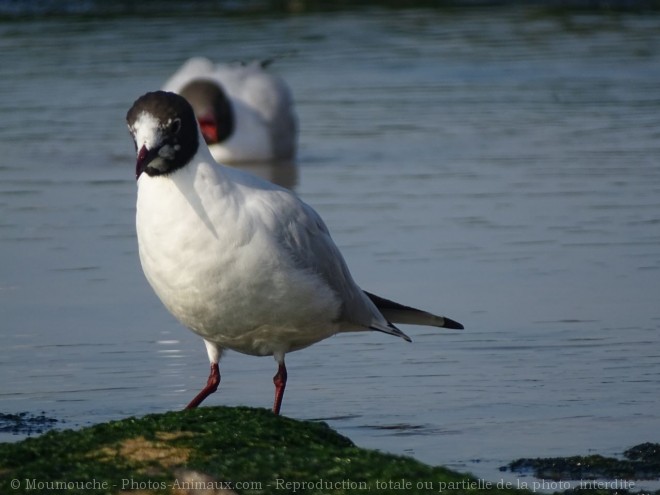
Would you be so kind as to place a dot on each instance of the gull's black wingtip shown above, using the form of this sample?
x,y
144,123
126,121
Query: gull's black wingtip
x,y
454,325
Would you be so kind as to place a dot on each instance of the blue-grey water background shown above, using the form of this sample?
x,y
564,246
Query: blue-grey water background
x,y
500,166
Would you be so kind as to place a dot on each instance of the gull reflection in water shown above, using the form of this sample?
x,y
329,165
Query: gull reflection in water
x,y
283,173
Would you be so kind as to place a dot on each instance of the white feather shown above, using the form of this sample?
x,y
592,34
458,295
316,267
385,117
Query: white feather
x,y
244,263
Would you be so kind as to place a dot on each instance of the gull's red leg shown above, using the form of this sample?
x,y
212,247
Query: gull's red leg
x,y
211,386
280,384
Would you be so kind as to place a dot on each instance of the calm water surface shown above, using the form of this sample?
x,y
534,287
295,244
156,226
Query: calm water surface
x,y
500,167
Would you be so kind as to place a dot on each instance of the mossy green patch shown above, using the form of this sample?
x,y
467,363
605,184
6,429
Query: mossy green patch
x,y
251,451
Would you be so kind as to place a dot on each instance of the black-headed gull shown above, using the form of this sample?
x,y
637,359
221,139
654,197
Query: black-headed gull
x,y
246,113
242,262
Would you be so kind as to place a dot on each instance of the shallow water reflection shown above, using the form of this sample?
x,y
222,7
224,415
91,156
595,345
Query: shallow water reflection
x,y
283,174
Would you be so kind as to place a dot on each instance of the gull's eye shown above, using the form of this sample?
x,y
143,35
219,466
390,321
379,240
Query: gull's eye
x,y
175,126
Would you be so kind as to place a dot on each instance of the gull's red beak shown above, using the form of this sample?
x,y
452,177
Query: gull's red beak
x,y
144,157
209,127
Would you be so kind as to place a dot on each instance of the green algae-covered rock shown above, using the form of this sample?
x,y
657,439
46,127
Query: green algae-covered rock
x,y
641,462
215,450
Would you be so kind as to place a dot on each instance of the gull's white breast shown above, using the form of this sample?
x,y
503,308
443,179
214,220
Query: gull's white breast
x,y
213,255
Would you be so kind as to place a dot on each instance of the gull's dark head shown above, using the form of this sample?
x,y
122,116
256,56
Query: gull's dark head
x,y
212,108
164,130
